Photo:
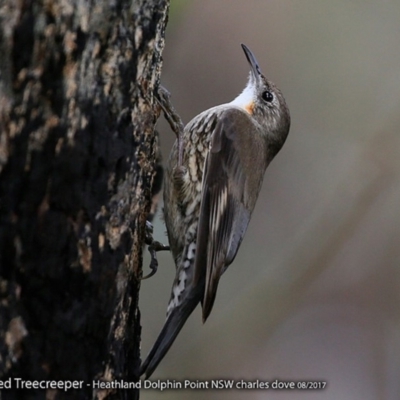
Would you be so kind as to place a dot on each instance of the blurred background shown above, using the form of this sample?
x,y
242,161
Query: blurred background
x,y
314,292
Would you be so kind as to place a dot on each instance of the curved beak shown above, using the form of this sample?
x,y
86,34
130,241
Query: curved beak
x,y
255,68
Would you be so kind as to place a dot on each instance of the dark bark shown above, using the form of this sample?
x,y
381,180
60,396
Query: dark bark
x,y
77,163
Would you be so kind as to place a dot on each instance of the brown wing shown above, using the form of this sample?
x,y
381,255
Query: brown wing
x,y
226,206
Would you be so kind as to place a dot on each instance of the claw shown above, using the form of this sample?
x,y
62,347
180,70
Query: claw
x,y
173,118
153,248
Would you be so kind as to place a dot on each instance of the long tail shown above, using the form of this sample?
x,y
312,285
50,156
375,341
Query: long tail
x,y
172,327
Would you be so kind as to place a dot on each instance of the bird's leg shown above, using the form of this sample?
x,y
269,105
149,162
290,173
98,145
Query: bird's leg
x,y
154,246
173,118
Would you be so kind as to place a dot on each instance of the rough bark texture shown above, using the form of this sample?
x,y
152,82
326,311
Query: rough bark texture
x,y
77,164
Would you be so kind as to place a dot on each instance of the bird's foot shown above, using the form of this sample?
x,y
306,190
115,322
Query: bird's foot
x,y
153,247
173,118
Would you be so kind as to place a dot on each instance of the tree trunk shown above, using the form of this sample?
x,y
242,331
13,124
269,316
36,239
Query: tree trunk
x,y
77,164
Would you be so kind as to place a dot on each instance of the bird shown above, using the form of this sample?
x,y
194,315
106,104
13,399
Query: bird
x,y
213,177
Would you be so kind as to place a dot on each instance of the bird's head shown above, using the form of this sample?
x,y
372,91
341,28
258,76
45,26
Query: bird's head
x,y
264,102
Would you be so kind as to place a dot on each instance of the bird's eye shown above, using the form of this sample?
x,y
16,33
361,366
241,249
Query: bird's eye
x,y
267,96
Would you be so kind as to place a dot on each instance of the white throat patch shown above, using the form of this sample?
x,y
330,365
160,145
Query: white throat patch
x,y
245,99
